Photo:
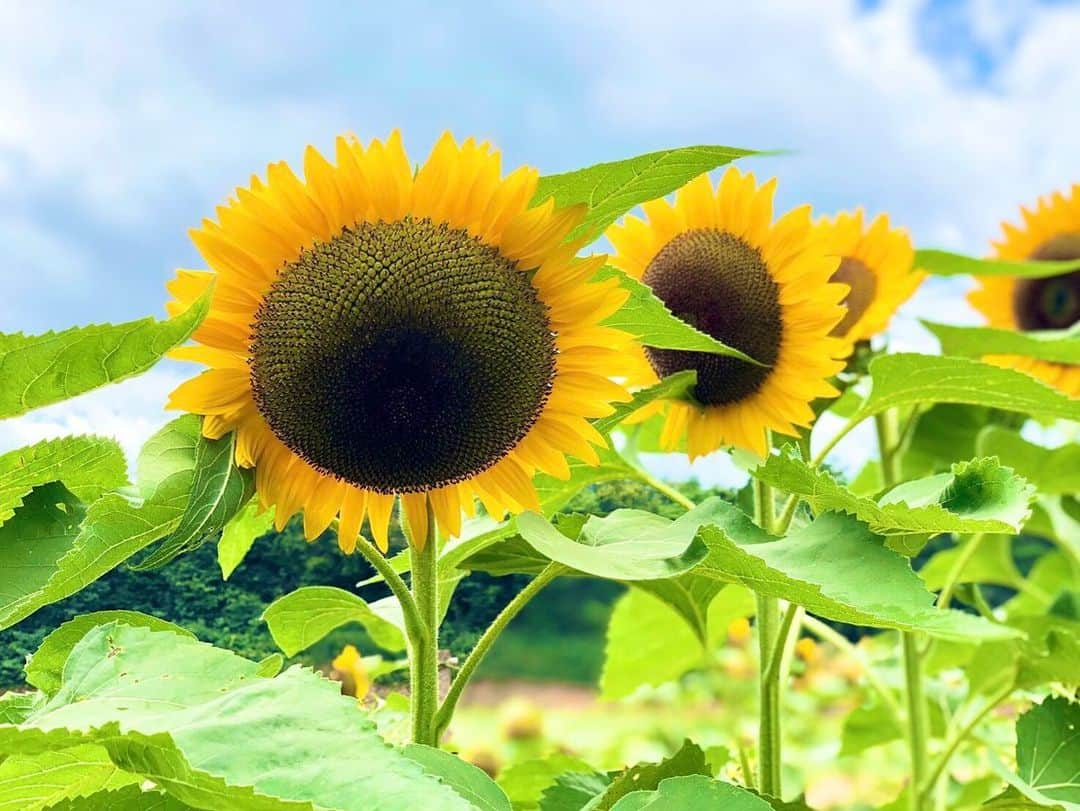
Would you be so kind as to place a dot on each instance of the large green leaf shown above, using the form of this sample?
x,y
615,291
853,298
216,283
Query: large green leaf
x,y
626,545
648,645
219,490
977,496
178,712
945,263
573,791
688,760
128,798
38,781
469,781
835,567
240,533
646,317
609,190
45,668
991,563
907,379
1048,754
47,553
1059,346
42,369
301,618
692,791
88,466
525,782
1052,470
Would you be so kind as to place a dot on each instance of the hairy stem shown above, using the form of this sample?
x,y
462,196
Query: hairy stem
x,y
414,627
424,657
664,488
769,640
483,645
967,551
918,714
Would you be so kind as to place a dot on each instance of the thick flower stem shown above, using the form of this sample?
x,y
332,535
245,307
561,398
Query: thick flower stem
x,y
918,717
483,645
918,726
770,641
424,654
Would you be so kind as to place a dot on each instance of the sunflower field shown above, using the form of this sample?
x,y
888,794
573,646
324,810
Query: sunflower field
x,y
433,369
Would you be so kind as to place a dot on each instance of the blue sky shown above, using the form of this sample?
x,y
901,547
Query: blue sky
x,y
125,124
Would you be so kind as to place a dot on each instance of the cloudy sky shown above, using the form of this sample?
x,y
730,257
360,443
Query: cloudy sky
x,y
122,125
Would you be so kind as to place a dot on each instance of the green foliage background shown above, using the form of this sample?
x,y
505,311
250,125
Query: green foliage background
x,y
561,633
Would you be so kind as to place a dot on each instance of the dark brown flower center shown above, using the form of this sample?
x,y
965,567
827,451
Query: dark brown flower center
x,y
863,285
1052,302
402,357
716,282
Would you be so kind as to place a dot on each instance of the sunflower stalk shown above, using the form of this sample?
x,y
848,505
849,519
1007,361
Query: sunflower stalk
x,y
772,639
446,712
918,717
424,648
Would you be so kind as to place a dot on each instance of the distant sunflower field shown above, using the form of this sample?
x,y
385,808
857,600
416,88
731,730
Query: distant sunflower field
x,y
441,348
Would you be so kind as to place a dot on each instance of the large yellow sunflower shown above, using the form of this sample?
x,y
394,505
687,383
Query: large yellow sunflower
x,y
1049,233
376,333
876,264
718,261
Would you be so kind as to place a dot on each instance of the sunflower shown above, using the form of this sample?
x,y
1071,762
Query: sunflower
x,y
1049,233
876,264
719,262
377,334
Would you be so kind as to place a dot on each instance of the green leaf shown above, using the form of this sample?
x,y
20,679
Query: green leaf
x,y
945,263
129,798
240,533
870,725
977,496
1057,346
525,782
647,644
626,545
42,369
991,563
906,379
34,782
52,551
1048,753
17,707
671,387
694,791
689,760
470,782
45,668
647,318
573,791
219,490
1052,470
609,190
835,567
88,466
177,712
303,617
1048,652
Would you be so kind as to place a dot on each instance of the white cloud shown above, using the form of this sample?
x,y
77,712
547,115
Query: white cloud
x,y
129,412
118,106
875,119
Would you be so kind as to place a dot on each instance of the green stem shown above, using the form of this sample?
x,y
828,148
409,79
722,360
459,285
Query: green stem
x,y
849,426
424,657
956,736
483,645
918,714
826,633
967,551
769,638
664,488
414,626
918,725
